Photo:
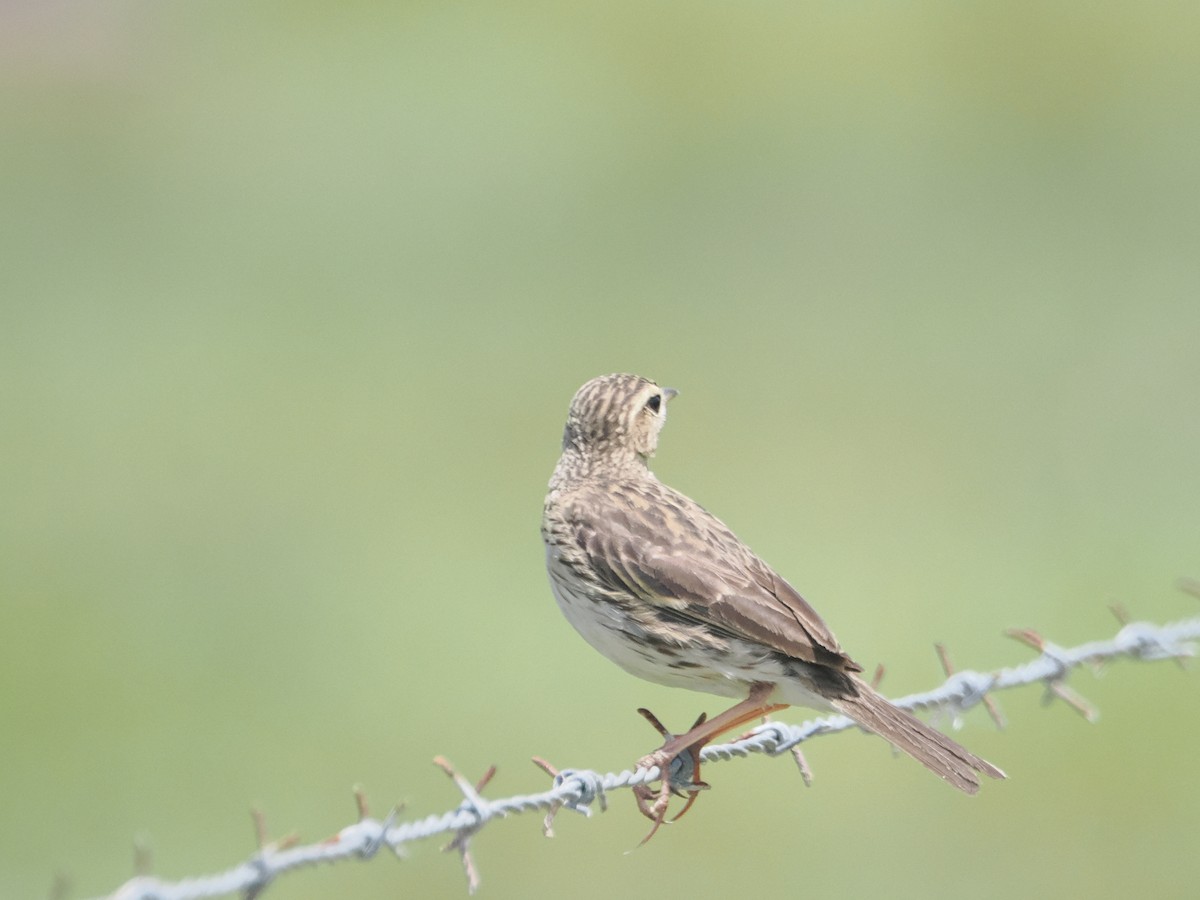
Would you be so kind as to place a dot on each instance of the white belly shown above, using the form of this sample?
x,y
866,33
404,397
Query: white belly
x,y
726,673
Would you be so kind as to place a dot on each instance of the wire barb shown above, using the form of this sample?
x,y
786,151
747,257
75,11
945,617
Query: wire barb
x,y
974,690
581,789
478,808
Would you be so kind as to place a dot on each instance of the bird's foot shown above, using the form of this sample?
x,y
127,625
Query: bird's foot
x,y
679,773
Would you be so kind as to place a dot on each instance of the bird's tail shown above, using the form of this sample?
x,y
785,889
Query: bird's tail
x,y
928,746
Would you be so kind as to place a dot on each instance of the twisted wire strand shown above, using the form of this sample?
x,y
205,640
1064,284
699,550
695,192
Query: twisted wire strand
x,y
583,790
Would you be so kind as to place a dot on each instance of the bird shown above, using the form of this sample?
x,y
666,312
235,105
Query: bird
x,y
668,592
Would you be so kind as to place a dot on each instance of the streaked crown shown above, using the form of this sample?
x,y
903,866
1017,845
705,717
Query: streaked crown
x,y
618,416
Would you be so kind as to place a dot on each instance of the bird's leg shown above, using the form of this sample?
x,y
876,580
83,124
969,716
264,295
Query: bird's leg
x,y
689,759
689,745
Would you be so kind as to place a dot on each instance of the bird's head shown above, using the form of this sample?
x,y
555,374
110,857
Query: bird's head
x,y
617,418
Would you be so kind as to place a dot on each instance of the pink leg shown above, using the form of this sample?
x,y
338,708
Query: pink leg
x,y
703,732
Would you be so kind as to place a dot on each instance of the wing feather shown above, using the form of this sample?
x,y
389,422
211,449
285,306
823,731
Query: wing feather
x,y
690,565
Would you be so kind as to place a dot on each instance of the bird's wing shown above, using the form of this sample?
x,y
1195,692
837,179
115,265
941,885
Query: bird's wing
x,y
666,550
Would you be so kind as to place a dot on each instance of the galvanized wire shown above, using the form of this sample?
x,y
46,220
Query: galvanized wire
x,y
584,791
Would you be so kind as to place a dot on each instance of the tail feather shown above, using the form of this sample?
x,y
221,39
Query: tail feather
x,y
928,746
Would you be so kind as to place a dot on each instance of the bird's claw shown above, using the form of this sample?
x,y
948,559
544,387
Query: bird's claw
x,y
679,774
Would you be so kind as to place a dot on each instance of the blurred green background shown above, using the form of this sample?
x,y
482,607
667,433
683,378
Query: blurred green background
x,y
292,303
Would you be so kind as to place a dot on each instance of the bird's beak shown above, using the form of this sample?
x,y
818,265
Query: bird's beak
x,y
669,394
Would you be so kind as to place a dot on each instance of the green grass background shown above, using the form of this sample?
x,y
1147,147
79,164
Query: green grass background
x,y
292,302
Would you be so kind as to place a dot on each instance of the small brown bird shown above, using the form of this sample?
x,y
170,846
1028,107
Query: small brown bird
x,y
664,589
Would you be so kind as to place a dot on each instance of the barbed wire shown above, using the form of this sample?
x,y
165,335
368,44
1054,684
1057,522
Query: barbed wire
x,y
584,791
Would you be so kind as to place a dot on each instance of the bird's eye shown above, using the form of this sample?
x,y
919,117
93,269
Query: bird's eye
x,y
654,403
